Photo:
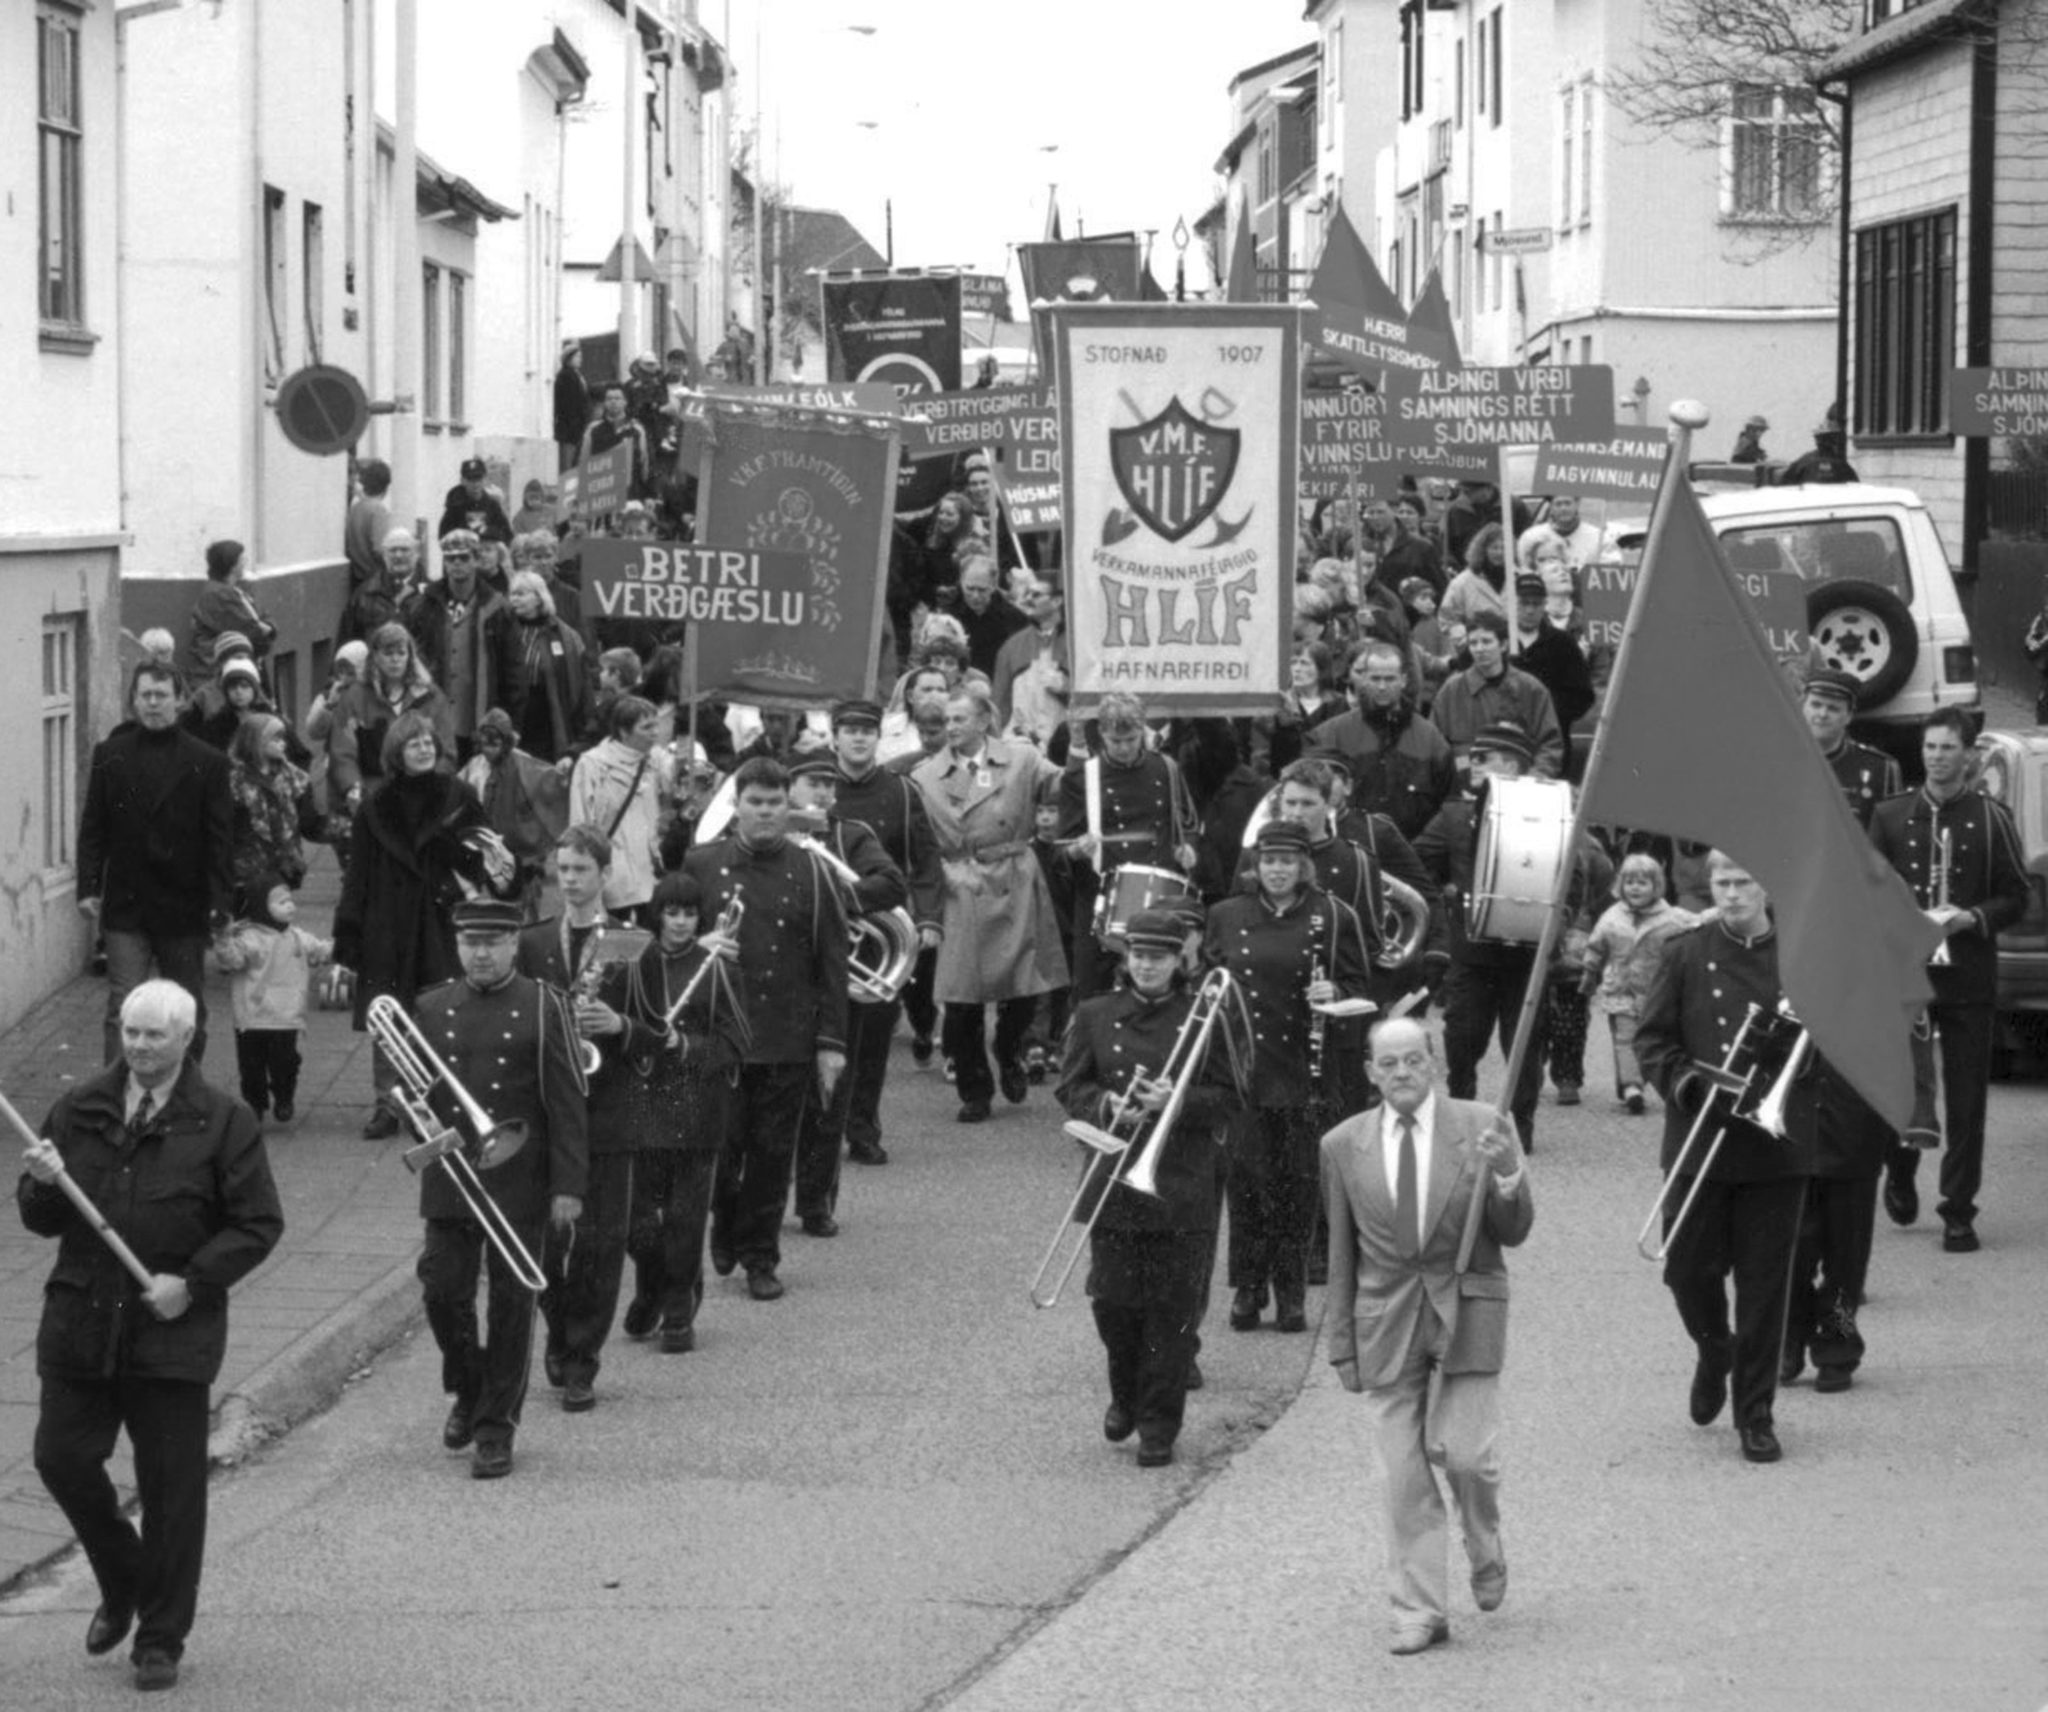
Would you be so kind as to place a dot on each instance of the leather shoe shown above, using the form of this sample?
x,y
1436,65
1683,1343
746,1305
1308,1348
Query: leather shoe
x,y
975,1111
921,1050
1830,1380
1195,1381
678,1340
1011,1079
109,1626
1118,1423
640,1317
1419,1638
1760,1443
1154,1453
867,1153
763,1285
284,1111
460,1427
551,1365
1709,1390
1490,1586
382,1125
1901,1200
723,1260
154,1670
1245,1308
820,1224
491,1460
1959,1236
578,1397
1289,1314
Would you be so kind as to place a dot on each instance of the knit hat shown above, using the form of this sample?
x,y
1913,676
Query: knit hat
x,y
241,667
230,642
252,897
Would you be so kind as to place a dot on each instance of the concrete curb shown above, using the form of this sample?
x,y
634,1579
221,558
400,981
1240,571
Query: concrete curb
x,y
307,1377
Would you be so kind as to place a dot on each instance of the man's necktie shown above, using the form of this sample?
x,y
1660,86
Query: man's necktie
x,y
1407,1194
145,1109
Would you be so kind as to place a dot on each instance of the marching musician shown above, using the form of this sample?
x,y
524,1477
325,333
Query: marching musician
x,y
1959,851
877,887
1150,1256
508,1040
690,1072
885,801
178,1171
1746,1219
1867,776
793,948
1126,805
586,957
1289,946
1421,1340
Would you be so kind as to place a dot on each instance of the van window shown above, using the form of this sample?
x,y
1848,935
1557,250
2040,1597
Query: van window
x,y
1858,549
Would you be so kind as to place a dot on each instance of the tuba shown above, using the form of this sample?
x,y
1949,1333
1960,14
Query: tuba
x,y
883,954
1404,926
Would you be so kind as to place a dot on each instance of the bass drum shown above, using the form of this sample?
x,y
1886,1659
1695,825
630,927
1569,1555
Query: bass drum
x,y
1524,843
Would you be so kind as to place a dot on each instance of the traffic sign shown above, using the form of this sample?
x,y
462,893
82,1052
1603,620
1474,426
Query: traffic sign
x,y
1515,241
322,409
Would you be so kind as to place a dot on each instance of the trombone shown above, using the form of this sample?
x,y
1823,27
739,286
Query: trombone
x,y
1110,1149
1768,1114
421,1070
727,927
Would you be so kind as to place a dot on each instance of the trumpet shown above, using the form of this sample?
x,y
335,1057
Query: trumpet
x,y
1111,1149
1944,863
1767,1114
590,978
421,1070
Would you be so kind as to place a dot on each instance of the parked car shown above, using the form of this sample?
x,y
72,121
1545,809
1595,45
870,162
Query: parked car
x,y
2012,768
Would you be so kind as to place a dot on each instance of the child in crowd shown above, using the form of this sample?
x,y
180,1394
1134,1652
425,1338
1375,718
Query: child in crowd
x,y
271,961
1622,956
1049,1026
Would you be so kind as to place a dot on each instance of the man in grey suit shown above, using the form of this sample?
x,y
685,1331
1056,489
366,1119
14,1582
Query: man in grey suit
x,y
1402,1182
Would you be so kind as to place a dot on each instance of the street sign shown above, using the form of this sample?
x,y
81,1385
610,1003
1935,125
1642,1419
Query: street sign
x,y
1998,401
1516,241
322,409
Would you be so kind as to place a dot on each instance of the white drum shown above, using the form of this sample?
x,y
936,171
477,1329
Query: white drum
x,y
1524,844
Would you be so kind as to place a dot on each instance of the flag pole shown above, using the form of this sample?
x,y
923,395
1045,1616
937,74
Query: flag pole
x,y
1687,417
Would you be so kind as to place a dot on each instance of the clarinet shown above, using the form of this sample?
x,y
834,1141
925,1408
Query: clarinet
x,y
1318,1026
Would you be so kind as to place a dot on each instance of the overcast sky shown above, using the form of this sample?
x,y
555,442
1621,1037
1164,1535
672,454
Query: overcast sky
x,y
964,99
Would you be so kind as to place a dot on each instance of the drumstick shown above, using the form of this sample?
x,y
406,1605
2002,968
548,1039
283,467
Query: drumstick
x,y
83,1202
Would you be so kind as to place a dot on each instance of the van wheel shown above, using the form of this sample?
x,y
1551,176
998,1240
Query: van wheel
x,y
1867,632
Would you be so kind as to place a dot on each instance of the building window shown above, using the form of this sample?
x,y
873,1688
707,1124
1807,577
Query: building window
x,y
1493,261
1479,68
1586,152
458,340
313,276
430,343
61,737
1495,108
1772,156
1412,32
61,140
1333,81
276,277
1568,99
1905,324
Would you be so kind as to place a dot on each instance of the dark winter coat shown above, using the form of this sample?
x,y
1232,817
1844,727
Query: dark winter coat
x,y
156,841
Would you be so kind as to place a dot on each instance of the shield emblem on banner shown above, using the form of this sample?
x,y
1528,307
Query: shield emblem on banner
x,y
1174,470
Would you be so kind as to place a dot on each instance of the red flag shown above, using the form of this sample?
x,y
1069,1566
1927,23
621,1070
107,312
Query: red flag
x,y
1052,215
1241,283
1702,739
1430,328
1357,318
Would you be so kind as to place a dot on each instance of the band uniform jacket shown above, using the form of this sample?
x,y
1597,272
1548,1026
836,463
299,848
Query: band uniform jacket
x,y
1376,1290
1002,938
156,839
192,1195
614,1113
889,806
1146,813
514,1049
686,1087
1867,776
1272,955
1695,1009
793,943
1987,877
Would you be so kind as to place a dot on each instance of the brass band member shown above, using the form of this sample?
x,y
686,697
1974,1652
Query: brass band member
x,y
793,945
178,1171
1288,946
586,957
509,1042
887,803
1960,853
690,1073
1746,1219
1867,776
1149,1256
878,886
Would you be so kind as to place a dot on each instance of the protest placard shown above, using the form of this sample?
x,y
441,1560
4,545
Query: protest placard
x,y
1535,404
604,481
1779,597
1627,467
1998,401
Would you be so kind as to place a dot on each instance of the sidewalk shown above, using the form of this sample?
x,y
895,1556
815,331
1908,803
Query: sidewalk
x,y
338,1287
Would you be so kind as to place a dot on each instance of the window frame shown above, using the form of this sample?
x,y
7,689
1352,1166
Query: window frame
x,y
1904,277
60,166
1761,146
430,346
61,726
458,350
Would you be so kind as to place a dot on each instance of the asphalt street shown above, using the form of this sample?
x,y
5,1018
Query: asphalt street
x,y
889,1492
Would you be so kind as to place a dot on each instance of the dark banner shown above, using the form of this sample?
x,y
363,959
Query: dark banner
x,y
985,294
900,328
777,481
1017,420
1083,270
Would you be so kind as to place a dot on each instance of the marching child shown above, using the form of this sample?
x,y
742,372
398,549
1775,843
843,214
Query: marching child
x,y
271,960
1622,957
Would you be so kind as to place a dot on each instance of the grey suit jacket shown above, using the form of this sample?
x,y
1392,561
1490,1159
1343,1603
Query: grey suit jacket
x,y
1376,1292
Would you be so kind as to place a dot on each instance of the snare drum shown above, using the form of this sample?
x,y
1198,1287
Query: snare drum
x,y
1130,889
1523,848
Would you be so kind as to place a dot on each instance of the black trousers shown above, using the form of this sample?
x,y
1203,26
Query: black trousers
x,y
1272,1196
671,1207
1480,1001
489,1373
267,1060
1567,1012
132,956
918,1003
966,1042
1148,1289
1829,1267
1743,1231
1967,1035
166,1421
752,1185
852,1112
584,1263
